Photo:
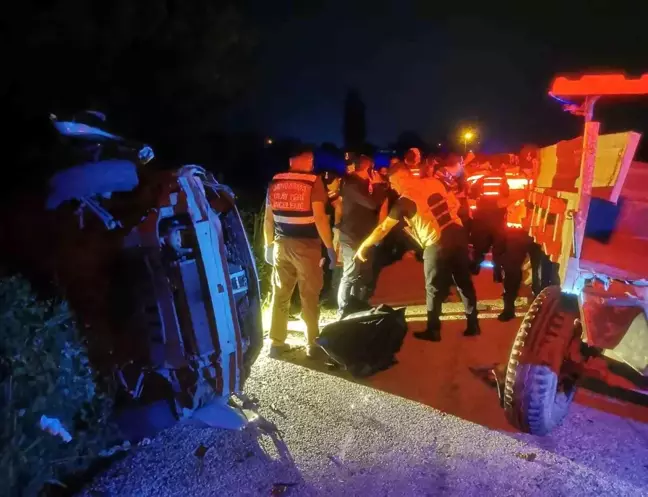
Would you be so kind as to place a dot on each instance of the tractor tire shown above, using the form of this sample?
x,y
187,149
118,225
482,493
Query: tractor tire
x,y
536,395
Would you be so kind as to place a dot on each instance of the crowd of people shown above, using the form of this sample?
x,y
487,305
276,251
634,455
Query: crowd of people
x,y
448,212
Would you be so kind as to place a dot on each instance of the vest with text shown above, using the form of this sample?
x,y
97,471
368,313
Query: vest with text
x,y
289,196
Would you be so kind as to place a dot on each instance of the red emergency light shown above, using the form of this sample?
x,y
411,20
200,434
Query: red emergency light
x,y
599,85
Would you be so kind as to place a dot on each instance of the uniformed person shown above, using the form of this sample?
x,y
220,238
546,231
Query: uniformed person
x,y
544,272
413,158
362,197
431,213
489,219
516,247
295,226
451,174
398,242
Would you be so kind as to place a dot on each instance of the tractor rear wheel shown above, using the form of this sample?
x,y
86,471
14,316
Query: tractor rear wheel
x,y
540,384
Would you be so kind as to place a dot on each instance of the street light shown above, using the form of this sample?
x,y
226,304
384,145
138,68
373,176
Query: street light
x,y
467,137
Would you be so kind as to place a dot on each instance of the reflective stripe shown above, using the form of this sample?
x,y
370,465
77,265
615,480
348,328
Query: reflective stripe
x,y
441,212
492,186
441,202
518,183
296,176
294,220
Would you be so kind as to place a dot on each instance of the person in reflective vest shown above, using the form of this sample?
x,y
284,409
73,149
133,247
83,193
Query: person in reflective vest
x,y
431,213
295,225
412,160
489,219
516,246
451,174
544,273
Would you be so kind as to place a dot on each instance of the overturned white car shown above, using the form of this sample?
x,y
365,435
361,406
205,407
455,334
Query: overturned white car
x,y
158,268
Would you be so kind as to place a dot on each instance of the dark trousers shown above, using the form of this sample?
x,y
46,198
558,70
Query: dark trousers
x,y
464,215
334,284
357,277
447,263
488,232
544,272
392,249
517,246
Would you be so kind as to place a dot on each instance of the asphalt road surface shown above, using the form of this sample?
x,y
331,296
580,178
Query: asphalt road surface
x,y
429,426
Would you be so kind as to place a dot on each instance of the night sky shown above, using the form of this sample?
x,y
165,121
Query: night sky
x,y
420,69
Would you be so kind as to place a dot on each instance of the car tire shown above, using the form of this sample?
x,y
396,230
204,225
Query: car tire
x,y
539,386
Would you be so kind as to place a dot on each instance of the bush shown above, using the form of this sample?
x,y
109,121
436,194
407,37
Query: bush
x,y
253,222
44,370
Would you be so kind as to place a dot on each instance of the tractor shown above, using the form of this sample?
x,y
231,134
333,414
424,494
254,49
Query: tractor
x,y
586,208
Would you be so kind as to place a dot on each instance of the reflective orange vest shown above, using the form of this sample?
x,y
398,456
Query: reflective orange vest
x,y
516,214
289,196
492,186
436,209
493,192
528,206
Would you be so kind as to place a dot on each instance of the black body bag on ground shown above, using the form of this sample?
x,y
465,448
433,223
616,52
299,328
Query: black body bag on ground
x,y
365,342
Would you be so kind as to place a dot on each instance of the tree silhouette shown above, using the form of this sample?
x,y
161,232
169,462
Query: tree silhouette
x,y
330,147
354,122
410,139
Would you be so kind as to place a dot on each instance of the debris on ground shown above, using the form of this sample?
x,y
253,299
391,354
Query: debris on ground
x,y
527,457
124,447
278,411
54,427
280,488
200,455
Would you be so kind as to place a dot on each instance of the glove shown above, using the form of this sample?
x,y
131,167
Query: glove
x,y
332,255
360,255
269,255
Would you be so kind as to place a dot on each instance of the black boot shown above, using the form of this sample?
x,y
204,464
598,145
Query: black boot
x,y
508,313
473,326
433,331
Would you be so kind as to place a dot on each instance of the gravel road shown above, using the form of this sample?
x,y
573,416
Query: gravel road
x,y
339,438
